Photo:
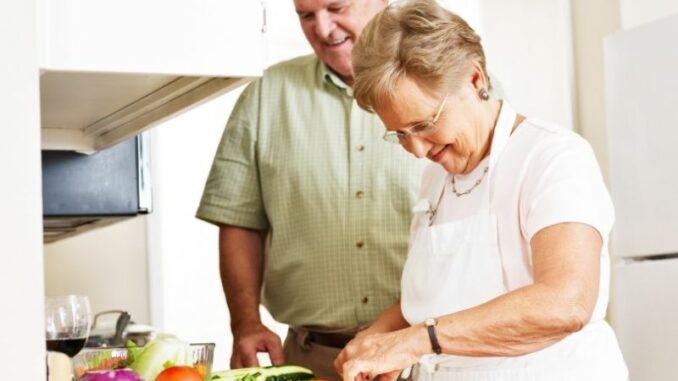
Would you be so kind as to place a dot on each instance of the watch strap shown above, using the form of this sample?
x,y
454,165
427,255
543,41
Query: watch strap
x,y
431,328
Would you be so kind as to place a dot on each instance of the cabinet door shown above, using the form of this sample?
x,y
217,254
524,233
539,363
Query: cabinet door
x,y
641,82
645,314
216,38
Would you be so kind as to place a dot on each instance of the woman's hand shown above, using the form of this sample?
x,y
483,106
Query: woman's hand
x,y
385,354
390,320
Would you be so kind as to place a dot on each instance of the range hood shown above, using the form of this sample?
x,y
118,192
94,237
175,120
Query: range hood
x,y
82,192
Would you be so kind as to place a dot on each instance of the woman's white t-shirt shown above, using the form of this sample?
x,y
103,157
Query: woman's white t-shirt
x,y
545,175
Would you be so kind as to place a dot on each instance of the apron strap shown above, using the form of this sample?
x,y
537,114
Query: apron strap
x,y
502,132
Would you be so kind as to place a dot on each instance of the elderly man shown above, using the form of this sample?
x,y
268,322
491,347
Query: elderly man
x,y
313,207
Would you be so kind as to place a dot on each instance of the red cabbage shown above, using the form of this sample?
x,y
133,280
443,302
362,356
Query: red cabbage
x,y
111,375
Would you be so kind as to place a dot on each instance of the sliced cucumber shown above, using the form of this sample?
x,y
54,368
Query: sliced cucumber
x,y
235,374
285,373
269,373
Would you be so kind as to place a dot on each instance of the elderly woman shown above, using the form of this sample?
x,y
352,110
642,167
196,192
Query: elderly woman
x,y
507,274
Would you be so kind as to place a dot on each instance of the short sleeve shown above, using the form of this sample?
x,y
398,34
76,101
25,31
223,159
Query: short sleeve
x,y
232,194
564,184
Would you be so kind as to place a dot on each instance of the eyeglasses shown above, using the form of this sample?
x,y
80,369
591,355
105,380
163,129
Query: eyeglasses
x,y
419,129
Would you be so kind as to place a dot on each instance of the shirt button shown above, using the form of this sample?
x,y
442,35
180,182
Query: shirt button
x,y
360,244
359,194
360,148
365,300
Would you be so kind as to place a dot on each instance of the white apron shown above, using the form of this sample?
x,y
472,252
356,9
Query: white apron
x,y
457,265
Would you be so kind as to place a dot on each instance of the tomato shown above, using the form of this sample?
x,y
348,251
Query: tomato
x,y
179,373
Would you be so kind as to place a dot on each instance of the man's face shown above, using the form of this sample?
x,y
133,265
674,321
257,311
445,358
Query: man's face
x,y
333,26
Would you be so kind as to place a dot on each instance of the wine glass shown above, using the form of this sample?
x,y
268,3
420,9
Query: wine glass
x,y
67,323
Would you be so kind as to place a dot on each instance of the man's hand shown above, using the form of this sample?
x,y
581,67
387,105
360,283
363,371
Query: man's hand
x,y
241,258
249,340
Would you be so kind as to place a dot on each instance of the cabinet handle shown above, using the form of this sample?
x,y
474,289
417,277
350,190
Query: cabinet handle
x,y
263,9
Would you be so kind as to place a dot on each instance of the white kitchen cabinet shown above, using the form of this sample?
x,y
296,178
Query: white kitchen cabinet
x,y
645,313
112,69
641,113
640,77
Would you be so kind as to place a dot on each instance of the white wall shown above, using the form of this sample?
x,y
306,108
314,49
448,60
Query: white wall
x,y
107,264
637,12
592,21
528,48
468,10
186,295
22,332
285,38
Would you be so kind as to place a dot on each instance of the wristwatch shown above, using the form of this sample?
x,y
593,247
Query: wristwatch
x,y
430,324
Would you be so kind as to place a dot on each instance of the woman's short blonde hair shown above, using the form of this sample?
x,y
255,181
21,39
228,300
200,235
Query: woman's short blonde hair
x,y
418,39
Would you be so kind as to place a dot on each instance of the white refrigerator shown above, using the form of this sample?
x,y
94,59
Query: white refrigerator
x,y
641,80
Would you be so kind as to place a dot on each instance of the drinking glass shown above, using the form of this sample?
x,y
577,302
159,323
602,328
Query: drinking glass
x,y
67,323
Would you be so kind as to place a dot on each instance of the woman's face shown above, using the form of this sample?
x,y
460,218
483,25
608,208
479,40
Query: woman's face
x,y
460,138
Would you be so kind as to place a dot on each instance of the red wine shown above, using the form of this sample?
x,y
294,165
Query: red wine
x,y
71,347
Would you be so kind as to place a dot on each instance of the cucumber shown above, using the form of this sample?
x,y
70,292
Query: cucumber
x,y
235,374
269,373
285,373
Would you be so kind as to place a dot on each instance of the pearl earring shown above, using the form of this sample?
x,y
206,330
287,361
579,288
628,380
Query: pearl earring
x,y
483,94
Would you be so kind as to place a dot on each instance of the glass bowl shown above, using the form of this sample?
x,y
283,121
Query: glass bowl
x,y
202,355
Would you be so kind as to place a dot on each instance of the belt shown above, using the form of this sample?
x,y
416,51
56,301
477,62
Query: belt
x,y
334,340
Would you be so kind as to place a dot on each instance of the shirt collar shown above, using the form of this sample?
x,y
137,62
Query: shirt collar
x,y
333,79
